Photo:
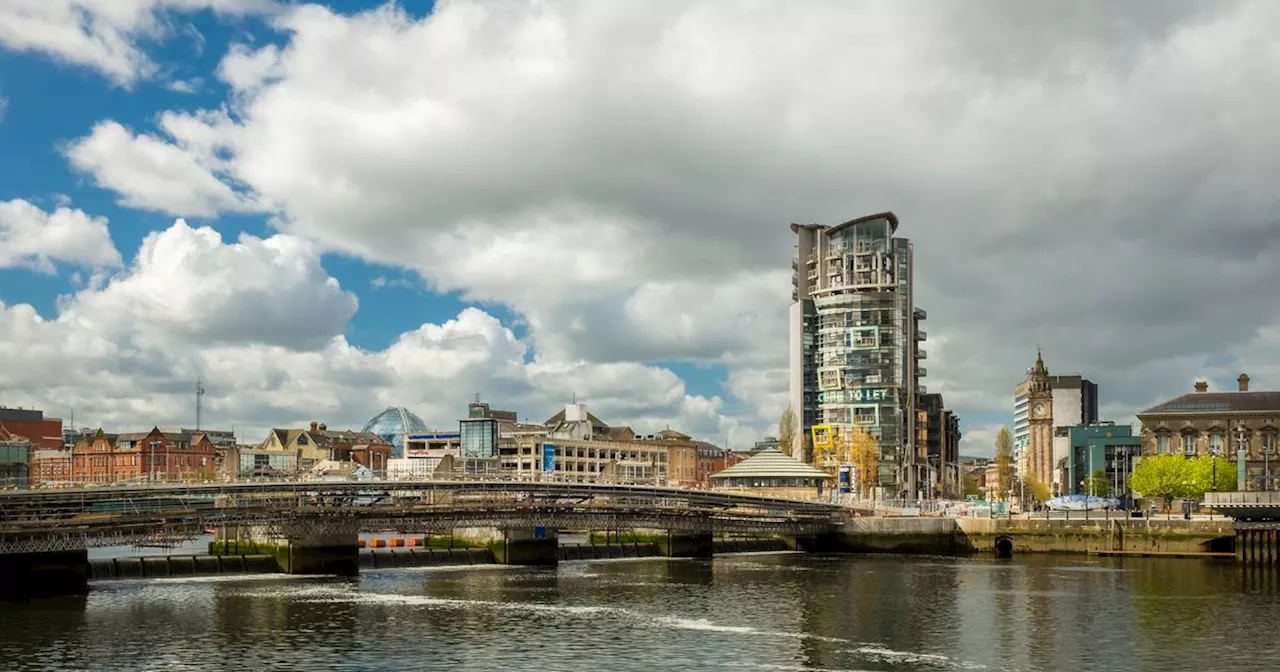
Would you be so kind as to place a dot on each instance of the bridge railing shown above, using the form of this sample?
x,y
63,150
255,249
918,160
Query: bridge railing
x,y
1245,498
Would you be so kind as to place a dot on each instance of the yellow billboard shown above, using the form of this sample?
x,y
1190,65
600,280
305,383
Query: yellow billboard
x,y
823,437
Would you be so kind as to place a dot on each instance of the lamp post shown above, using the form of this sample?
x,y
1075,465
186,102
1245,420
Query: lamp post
x,y
1268,447
1213,455
1242,451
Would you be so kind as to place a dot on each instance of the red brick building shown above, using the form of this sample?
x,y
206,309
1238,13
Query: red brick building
x,y
712,459
153,455
29,423
50,467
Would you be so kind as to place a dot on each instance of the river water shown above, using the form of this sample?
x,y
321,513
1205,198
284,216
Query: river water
x,y
743,612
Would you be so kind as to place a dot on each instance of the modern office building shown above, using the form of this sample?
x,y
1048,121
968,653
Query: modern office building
x,y
1102,447
853,341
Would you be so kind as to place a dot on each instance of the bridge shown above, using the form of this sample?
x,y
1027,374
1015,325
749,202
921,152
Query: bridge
x,y
1257,523
317,522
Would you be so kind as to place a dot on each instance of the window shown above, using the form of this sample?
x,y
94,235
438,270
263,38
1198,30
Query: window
x,y
1269,443
1162,443
1189,444
865,415
1215,443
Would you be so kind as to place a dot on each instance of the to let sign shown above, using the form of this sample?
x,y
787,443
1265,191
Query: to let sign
x,y
865,394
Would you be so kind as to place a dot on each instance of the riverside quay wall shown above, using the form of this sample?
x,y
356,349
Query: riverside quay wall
x,y
955,536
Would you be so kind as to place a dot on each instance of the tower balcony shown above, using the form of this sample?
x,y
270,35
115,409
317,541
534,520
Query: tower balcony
x,y
922,335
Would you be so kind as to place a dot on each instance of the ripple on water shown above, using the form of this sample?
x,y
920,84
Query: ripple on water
x,y
784,613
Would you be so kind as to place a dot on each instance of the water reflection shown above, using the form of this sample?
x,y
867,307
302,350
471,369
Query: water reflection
x,y
736,612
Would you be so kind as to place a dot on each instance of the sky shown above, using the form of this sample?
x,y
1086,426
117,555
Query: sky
x,y
321,210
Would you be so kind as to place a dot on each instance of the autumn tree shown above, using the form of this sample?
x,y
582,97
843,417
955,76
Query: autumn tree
x,y
863,452
969,484
1004,462
788,429
1037,489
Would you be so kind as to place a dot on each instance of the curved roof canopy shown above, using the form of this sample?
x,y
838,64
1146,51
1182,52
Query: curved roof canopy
x,y
393,425
771,463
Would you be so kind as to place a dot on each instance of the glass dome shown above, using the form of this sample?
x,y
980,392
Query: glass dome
x,y
393,425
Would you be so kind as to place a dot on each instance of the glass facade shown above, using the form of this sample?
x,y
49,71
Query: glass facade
x,y
479,437
393,425
864,338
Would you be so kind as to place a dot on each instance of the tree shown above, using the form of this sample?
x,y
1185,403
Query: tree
x,y
1201,473
1097,484
1004,462
788,428
1172,476
1037,489
1164,476
864,454
969,484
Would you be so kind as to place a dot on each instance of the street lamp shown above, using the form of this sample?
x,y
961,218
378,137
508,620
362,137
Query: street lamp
x,y
1242,451
1213,456
1268,447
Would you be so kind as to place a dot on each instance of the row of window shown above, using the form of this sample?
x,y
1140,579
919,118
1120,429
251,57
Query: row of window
x,y
1217,443
657,456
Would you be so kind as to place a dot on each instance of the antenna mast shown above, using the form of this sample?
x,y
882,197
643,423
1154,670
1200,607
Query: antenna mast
x,y
199,403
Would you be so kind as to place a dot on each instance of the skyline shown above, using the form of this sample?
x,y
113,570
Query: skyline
x,y
585,202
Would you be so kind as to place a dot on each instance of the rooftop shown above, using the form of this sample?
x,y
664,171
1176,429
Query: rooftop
x,y
771,463
1208,402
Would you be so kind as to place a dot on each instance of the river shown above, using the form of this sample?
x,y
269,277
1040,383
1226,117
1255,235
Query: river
x,y
743,612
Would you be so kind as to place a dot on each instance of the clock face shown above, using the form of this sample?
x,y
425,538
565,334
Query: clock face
x,y
1039,409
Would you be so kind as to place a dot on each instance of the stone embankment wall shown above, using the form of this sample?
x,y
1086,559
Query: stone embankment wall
x,y
948,536
1133,535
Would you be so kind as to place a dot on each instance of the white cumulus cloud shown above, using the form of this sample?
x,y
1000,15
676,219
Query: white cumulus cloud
x,y
261,323
33,238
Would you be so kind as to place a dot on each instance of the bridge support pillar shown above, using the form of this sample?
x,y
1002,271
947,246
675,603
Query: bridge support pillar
x,y
685,544
330,553
536,546
818,543
326,554
44,574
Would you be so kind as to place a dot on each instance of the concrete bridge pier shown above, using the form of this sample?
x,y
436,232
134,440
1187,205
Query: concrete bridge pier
x,y
685,544
535,546
44,574
312,553
324,554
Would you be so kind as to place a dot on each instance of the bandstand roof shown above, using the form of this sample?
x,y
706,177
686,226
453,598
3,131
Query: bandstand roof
x,y
771,463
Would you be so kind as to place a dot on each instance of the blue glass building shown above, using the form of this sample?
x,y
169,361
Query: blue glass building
x,y
393,425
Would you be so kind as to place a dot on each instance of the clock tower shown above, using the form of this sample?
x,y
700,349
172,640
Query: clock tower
x,y
1040,440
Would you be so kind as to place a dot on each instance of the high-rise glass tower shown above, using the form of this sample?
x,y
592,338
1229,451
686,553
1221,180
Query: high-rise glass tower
x,y
853,339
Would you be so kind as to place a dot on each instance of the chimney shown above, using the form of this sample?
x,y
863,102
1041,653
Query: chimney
x,y
1243,381
314,425
1202,386
324,427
